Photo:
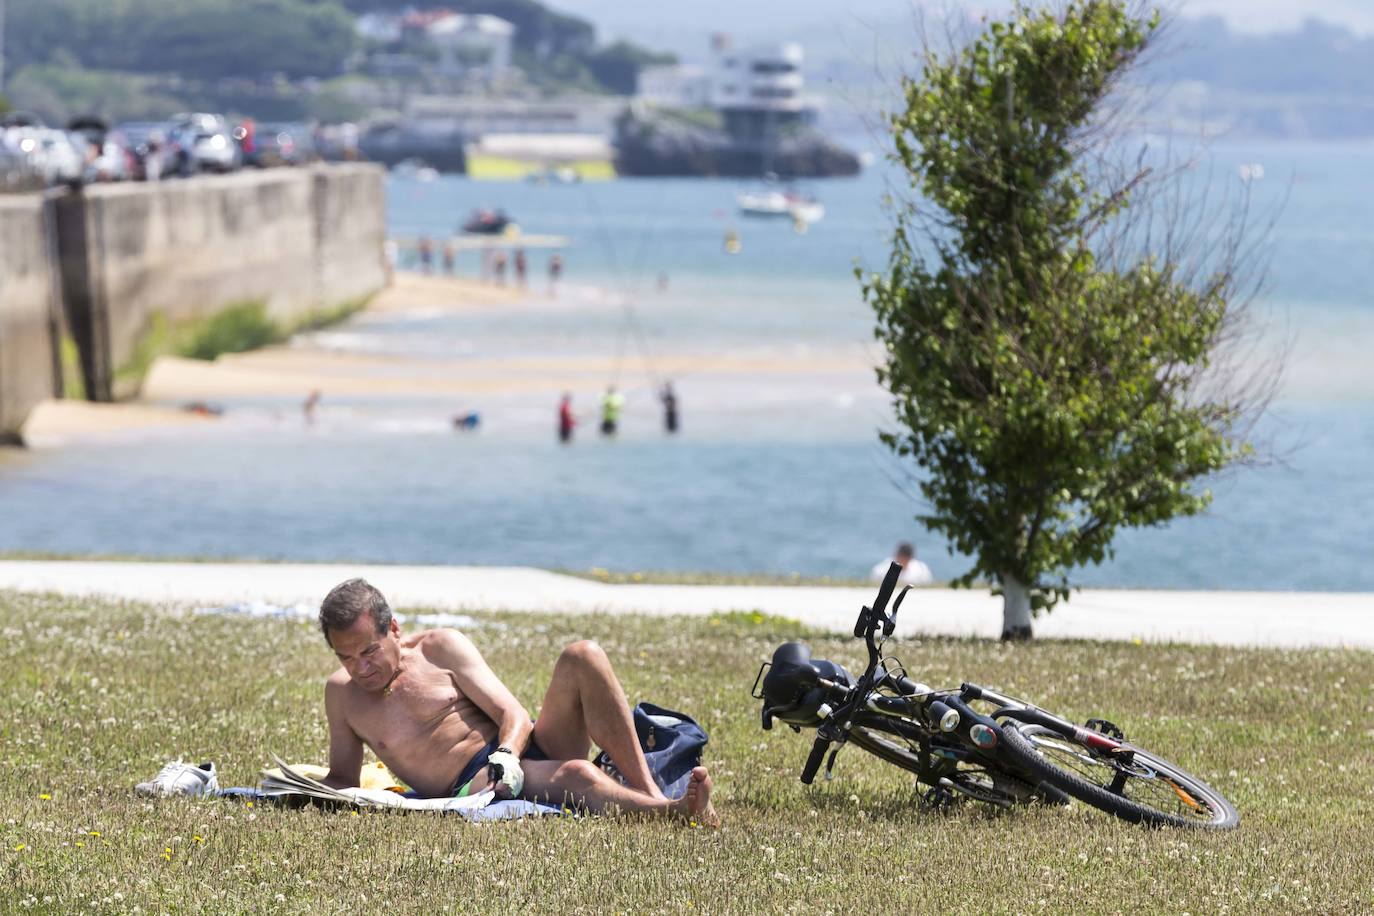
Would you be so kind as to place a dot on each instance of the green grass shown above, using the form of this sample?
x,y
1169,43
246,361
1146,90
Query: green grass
x,y
73,383
99,694
236,328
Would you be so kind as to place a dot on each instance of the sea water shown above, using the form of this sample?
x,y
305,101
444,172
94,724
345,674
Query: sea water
x,y
776,471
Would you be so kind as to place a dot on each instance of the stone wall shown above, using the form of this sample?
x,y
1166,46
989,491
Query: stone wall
x,y
299,240
350,232
28,344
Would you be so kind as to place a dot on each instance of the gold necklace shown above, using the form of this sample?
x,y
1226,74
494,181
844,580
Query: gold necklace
x,y
386,688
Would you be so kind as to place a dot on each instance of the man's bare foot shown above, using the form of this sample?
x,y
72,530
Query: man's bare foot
x,y
696,804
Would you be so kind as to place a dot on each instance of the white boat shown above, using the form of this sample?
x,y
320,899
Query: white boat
x,y
774,203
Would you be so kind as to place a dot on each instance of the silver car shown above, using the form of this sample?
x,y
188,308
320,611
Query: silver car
x,y
50,153
15,172
208,142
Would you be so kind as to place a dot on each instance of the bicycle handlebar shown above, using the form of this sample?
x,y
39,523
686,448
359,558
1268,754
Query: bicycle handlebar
x,y
865,627
888,587
871,618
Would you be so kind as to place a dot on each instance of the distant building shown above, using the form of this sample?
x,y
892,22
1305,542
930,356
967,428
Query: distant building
x,y
379,27
757,89
573,114
675,86
764,123
471,48
478,45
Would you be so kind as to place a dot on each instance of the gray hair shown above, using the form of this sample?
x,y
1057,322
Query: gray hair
x,y
350,600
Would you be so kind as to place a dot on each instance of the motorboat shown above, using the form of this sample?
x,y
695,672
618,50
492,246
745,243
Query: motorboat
x,y
487,222
774,202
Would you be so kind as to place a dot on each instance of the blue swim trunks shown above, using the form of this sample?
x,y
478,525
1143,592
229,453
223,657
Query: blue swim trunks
x,y
463,784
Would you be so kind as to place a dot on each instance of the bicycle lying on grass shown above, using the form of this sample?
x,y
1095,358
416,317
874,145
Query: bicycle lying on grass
x,y
1010,753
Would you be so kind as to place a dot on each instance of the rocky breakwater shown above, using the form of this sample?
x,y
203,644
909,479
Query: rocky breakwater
x,y
658,143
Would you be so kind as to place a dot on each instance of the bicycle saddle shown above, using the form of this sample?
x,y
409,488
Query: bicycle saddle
x,y
790,687
791,674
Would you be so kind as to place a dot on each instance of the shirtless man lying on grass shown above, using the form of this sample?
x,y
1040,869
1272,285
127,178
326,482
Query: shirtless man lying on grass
x,y
432,711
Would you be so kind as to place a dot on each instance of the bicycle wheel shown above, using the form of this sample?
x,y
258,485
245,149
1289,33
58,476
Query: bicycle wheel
x,y
885,740
1145,789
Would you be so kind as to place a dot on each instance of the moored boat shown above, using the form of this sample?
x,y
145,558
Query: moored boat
x,y
777,203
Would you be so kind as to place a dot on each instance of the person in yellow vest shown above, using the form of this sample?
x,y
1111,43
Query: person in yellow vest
x,y
612,402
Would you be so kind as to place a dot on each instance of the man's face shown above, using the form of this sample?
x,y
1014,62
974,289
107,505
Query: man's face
x,y
369,659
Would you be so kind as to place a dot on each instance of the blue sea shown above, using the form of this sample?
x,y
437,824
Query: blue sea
x,y
774,472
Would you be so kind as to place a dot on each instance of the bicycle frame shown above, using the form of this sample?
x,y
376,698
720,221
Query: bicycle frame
x,y
943,729
974,740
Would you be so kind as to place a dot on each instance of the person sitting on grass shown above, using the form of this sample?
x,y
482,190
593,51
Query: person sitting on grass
x,y
434,712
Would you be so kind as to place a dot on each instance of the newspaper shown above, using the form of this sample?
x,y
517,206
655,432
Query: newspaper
x,y
281,782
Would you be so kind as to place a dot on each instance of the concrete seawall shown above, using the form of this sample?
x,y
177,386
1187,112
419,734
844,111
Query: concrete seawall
x,y
297,240
28,312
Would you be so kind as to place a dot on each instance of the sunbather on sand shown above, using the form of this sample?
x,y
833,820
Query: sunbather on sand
x,y
434,712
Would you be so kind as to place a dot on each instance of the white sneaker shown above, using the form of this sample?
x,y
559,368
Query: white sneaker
x,y
178,778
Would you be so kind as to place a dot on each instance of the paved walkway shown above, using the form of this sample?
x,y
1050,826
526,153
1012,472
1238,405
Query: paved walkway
x,y
1220,618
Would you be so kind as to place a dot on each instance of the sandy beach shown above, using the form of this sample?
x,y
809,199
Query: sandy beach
x,y
55,423
287,374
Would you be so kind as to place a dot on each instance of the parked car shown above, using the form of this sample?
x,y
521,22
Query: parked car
x,y
114,161
15,172
104,153
207,143
273,143
49,153
155,147
64,160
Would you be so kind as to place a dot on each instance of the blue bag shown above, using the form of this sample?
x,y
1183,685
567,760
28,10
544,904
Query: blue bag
x,y
672,744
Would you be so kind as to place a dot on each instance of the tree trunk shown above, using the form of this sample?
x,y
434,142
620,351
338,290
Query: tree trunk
x,y
1016,609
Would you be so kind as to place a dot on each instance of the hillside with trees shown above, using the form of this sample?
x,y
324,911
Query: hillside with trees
x,y
139,58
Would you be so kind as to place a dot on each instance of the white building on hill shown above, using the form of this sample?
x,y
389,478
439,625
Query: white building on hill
x,y
675,86
756,88
469,43
470,47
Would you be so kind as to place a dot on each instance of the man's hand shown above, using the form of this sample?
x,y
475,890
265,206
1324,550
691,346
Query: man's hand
x,y
503,769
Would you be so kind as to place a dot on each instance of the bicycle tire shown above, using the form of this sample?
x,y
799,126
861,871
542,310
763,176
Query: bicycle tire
x,y
1037,748
871,737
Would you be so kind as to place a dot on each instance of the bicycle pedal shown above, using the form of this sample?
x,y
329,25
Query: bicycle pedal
x,y
939,798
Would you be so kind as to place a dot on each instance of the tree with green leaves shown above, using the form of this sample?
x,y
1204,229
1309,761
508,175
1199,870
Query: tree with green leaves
x,y
1057,322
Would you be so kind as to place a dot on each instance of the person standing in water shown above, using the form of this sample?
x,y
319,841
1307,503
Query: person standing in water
x,y
566,420
426,255
555,272
312,403
611,404
669,399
